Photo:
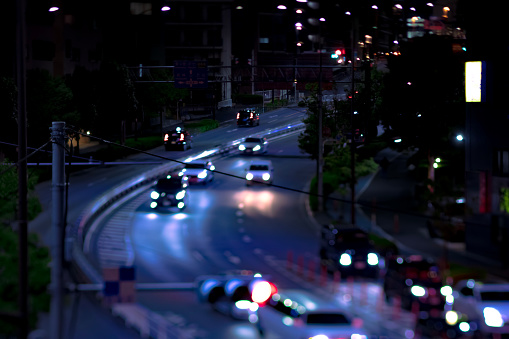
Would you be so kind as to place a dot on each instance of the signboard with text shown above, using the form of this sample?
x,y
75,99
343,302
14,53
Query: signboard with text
x,y
190,74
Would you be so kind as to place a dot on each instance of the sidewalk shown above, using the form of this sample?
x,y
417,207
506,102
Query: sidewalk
x,y
386,207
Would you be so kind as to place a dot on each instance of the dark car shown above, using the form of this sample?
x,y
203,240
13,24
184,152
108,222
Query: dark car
x,y
418,283
170,193
178,139
350,251
248,117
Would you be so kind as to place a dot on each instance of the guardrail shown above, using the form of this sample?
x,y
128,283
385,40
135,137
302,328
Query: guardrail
x,y
83,268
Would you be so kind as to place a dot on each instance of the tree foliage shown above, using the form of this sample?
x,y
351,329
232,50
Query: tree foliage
x,y
38,278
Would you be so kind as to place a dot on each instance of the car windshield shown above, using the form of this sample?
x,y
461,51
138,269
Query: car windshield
x,y
253,140
197,166
327,318
495,296
259,168
352,239
169,184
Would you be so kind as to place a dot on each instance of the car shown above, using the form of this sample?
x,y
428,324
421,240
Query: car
x,y
177,139
418,281
254,145
248,117
484,306
350,251
170,193
199,171
298,314
259,172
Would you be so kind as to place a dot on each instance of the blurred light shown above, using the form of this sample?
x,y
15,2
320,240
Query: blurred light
x,y
419,115
460,200
345,259
288,321
249,176
180,205
239,7
429,4
435,165
396,42
372,259
53,9
243,304
355,112
281,7
446,290
165,8
322,19
409,334
449,299
409,83
470,283
397,140
88,132
298,11
412,9
374,7
299,44
154,195
451,318
348,13
302,0
266,176
262,291
492,317
398,6
320,336
418,291
253,318
459,137
464,326
438,160
153,204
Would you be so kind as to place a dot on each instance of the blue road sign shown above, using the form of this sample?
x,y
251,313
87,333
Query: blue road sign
x,y
190,74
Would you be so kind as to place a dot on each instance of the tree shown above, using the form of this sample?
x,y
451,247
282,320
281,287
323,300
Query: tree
x,y
38,278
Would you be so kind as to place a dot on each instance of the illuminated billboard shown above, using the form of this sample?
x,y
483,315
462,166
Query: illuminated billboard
x,y
475,81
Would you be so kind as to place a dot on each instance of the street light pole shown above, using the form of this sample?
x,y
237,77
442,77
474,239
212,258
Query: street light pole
x,y
22,169
352,128
320,128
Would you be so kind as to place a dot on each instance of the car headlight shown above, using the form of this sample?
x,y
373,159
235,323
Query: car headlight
x,y
181,205
345,259
202,174
418,291
212,167
249,176
266,176
451,317
492,317
257,148
153,204
242,147
446,290
180,195
154,195
320,336
372,259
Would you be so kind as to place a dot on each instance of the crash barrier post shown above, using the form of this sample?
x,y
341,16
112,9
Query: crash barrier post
x,y
311,270
336,281
323,275
289,261
396,307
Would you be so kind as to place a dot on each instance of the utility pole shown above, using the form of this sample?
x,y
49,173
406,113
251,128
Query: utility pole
x,y
352,128
320,133
57,225
22,169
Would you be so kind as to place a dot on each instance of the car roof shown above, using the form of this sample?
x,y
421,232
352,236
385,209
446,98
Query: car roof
x,y
261,162
312,303
197,161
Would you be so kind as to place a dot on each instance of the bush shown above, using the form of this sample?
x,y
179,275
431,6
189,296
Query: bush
x,y
202,125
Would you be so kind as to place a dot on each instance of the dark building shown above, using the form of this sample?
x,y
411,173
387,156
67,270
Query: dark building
x,y
486,137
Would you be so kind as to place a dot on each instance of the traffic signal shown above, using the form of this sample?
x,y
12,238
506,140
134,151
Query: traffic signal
x,y
238,295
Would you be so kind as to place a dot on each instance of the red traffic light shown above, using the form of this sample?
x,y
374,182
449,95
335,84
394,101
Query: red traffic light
x,y
338,52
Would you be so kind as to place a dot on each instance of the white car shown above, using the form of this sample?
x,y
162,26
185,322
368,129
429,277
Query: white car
x,y
199,171
259,171
485,307
298,314
254,145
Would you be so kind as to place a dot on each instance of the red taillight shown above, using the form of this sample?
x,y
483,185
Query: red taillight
x,y
251,117
238,115
181,136
166,137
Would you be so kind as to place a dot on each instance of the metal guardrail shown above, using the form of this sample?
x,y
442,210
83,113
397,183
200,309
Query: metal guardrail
x,y
85,270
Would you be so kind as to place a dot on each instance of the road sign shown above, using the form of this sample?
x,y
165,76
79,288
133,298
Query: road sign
x,y
190,74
